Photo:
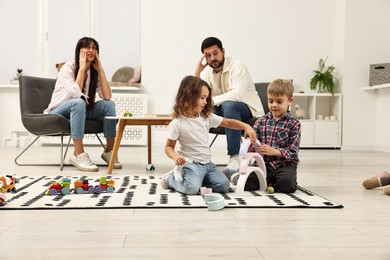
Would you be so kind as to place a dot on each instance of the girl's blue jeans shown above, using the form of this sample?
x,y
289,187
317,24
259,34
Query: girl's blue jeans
x,y
76,111
196,175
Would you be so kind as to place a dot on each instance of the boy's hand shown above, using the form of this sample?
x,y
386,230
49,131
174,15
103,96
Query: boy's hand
x,y
265,149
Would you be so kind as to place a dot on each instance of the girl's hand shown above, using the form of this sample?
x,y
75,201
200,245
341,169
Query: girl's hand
x,y
179,159
250,132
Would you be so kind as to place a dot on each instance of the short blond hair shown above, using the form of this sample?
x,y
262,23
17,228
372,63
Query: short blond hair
x,y
281,87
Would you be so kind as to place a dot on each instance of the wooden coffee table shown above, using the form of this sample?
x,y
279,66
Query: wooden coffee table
x,y
148,120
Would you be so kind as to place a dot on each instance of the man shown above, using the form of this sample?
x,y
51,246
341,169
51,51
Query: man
x,y
234,93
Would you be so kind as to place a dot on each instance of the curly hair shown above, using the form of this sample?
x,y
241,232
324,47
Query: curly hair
x,y
187,97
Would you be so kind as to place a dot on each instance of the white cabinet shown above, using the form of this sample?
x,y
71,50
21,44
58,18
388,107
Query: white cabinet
x,y
321,124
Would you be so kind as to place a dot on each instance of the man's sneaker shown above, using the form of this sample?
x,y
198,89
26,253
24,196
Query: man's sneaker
x,y
234,178
83,163
228,172
164,180
234,162
106,156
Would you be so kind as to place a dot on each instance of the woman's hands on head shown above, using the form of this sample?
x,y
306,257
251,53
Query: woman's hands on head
x,y
97,63
83,59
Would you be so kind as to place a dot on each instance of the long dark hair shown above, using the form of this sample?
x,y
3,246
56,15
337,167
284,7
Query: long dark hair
x,y
187,97
83,43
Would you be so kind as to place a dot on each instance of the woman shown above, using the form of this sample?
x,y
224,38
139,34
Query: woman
x,y
74,95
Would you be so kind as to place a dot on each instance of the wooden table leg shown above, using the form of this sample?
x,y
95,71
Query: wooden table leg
x,y
118,138
149,144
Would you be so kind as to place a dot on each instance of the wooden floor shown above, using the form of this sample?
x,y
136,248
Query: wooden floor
x,y
358,231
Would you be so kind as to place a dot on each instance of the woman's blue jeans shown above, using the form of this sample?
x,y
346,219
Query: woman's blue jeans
x,y
76,111
196,175
234,110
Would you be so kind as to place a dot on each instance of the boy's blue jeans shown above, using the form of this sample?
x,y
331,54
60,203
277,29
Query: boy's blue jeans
x,y
196,175
234,110
75,110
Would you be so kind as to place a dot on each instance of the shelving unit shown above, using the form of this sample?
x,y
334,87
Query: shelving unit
x,y
321,125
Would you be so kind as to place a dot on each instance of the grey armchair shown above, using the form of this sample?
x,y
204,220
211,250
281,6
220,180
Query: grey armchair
x,y
35,95
261,89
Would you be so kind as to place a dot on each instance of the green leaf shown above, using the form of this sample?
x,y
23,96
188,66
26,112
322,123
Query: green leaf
x,y
324,78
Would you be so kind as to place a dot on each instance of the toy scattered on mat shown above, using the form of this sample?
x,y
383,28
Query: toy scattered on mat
x,y
270,189
80,187
105,185
177,171
127,113
2,197
7,183
252,162
205,190
62,187
247,147
214,201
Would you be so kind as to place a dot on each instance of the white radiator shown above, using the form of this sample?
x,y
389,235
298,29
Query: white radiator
x,y
137,104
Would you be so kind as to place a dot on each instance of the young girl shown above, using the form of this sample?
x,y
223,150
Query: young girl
x,y
193,118
73,97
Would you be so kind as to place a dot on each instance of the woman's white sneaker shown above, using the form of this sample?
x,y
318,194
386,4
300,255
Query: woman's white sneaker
x,y
83,163
106,156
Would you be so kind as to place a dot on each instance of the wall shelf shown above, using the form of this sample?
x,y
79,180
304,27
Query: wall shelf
x,y
14,86
377,87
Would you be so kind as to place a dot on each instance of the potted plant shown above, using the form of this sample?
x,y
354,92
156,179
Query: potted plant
x,y
324,78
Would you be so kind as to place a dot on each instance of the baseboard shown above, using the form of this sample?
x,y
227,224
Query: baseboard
x,y
363,148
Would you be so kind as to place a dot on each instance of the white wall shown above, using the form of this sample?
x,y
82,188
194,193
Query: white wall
x,y
45,32
274,38
366,120
20,36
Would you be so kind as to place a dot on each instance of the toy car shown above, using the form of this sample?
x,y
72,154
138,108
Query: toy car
x,y
82,186
7,183
62,187
127,113
105,185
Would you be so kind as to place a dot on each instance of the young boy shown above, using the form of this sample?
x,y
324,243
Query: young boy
x,y
279,134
